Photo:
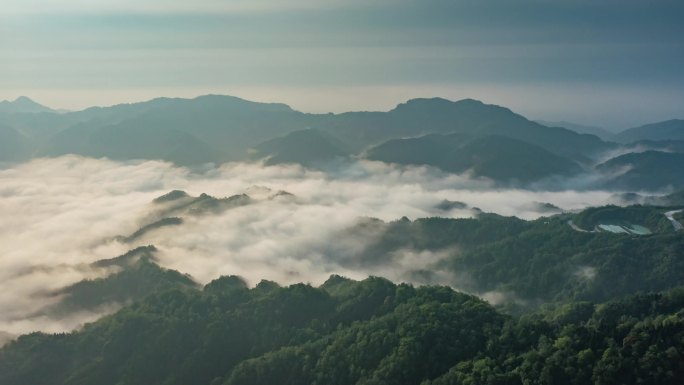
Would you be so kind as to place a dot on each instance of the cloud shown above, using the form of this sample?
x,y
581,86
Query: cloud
x,y
586,273
23,7
62,214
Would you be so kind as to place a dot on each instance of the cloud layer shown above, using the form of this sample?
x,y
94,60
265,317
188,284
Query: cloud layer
x,y
61,214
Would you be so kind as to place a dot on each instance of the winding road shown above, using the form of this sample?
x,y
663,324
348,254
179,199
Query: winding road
x,y
675,223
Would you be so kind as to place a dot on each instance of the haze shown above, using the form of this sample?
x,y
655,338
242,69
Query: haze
x,y
610,63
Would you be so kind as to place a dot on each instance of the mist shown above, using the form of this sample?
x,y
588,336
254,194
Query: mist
x,y
64,213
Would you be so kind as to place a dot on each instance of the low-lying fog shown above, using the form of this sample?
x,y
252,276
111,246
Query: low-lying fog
x,y
61,214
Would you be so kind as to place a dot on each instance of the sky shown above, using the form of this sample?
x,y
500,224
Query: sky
x,y
614,63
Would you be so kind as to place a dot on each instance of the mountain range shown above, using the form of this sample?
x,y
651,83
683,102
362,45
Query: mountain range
x,y
22,104
567,304
602,133
668,130
463,136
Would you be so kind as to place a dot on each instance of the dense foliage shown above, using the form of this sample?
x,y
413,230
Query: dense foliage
x,y
648,216
550,261
136,275
533,262
348,332
579,312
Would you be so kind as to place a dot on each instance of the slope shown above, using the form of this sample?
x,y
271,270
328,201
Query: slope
x,y
230,126
306,147
348,332
500,158
22,104
649,170
580,129
667,130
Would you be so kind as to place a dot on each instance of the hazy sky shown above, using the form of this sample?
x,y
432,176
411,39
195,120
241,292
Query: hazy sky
x,y
608,62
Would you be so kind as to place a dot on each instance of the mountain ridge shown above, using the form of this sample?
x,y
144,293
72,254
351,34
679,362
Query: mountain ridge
x,y
672,129
23,104
215,129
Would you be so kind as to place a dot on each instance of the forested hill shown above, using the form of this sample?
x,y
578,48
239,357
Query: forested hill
x,y
348,332
597,255
589,297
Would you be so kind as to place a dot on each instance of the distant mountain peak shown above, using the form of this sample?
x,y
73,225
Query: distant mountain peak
x,y
436,103
602,133
445,106
672,129
172,196
228,100
23,104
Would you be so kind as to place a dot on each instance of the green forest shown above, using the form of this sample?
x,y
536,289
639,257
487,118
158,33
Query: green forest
x,y
351,332
576,307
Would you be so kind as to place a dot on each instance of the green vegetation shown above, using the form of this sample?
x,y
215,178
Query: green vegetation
x,y
348,332
647,216
177,203
164,222
534,262
577,308
552,262
136,276
679,216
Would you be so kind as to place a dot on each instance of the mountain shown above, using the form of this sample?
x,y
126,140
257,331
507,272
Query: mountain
x,y
148,228
658,145
433,150
667,130
22,104
580,129
559,258
13,145
649,170
124,142
178,203
205,129
500,158
569,295
418,117
169,209
138,276
306,147
356,332
612,218
674,199
492,140
216,128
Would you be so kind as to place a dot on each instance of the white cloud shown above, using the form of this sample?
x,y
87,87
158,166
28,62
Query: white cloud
x,y
163,6
61,214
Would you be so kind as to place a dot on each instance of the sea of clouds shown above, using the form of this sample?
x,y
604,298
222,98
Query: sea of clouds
x,y
61,214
